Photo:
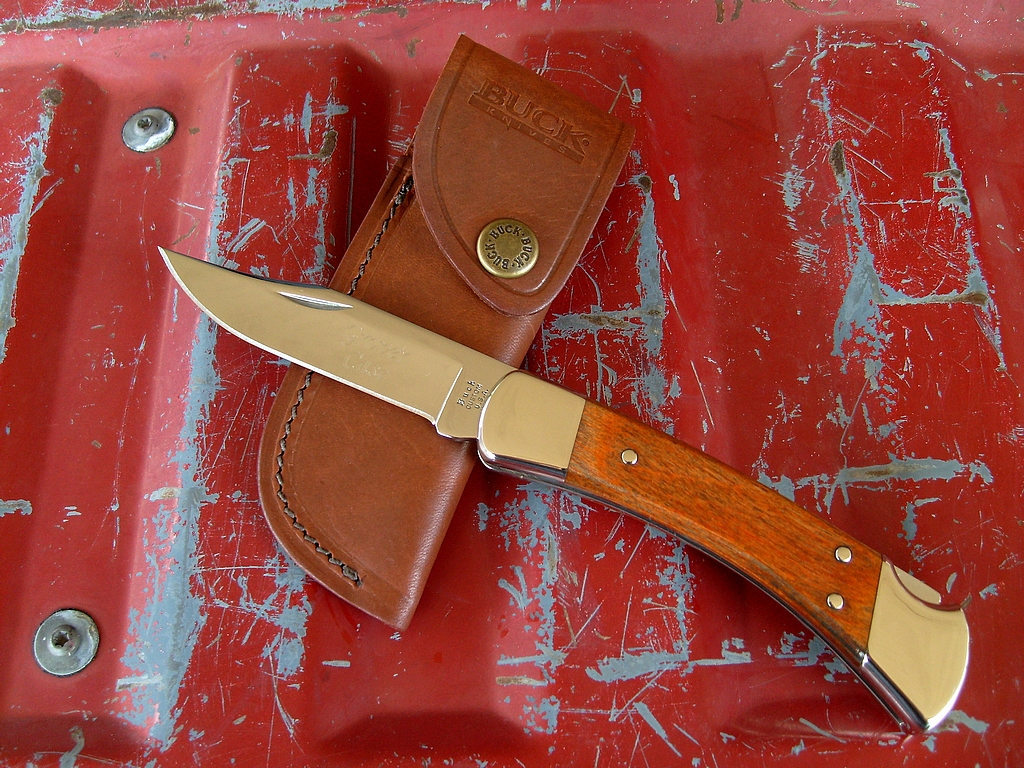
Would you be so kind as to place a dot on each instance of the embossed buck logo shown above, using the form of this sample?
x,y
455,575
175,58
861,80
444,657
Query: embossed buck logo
x,y
521,114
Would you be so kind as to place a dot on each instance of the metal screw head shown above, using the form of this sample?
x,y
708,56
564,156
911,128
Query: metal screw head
x,y
148,130
629,456
835,601
844,554
66,642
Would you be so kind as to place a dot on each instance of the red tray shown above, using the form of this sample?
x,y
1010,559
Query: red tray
x,y
811,268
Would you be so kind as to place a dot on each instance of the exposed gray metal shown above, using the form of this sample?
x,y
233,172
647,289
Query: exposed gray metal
x,y
148,130
66,642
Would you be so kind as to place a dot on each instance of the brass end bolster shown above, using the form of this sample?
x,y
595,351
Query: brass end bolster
x,y
917,649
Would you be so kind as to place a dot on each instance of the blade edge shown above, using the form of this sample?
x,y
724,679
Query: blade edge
x,y
365,348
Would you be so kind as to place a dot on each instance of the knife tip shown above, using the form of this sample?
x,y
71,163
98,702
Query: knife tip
x,y
173,260
166,256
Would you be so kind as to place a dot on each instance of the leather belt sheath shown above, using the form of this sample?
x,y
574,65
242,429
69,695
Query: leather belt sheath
x,y
359,492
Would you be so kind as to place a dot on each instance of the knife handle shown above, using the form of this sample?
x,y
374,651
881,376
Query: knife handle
x,y
885,624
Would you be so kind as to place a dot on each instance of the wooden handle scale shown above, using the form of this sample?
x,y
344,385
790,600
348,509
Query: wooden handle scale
x,y
886,625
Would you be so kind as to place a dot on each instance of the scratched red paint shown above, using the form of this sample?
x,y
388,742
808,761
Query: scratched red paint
x,y
783,159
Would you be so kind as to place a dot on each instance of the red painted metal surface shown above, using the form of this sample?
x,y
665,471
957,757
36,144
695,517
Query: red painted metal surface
x,y
810,268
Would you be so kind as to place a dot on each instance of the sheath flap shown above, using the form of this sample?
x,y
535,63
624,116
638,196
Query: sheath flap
x,y
499,142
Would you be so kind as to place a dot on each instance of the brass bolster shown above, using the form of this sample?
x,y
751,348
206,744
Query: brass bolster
x,y
917,650
528,428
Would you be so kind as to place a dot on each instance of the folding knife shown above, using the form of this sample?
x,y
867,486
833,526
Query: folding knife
x,y
885,624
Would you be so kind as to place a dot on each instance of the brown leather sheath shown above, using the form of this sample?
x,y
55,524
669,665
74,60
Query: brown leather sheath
x,y
359,492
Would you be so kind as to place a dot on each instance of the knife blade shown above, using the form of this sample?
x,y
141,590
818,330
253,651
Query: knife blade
x,y
889,627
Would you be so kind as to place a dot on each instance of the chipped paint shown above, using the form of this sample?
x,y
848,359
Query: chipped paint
x,y
165,493
645,712
287,608
675,186
14,229
879,475
642,325
914,469
70,758
519,594
952,724
541,715
956,718
295,8
859,327
308,187
57,16
809,650
19,506
326,150
794,185
526,524
483,514
162,635
676,576
629,666
633,665
863,332
245,233
821,731
652,306
859,318
910,520
331,109
220,202
992,590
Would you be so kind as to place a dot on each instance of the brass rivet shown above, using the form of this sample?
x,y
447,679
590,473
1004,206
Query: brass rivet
x,y
629,456
507,248
844,554
835,601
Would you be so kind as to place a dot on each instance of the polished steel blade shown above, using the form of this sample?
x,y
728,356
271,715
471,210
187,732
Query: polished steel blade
x,y
349,341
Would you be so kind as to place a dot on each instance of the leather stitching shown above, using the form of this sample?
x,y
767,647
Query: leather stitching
x,y
395,204
348,571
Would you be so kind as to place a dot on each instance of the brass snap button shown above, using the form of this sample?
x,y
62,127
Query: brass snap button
x,y
507,248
